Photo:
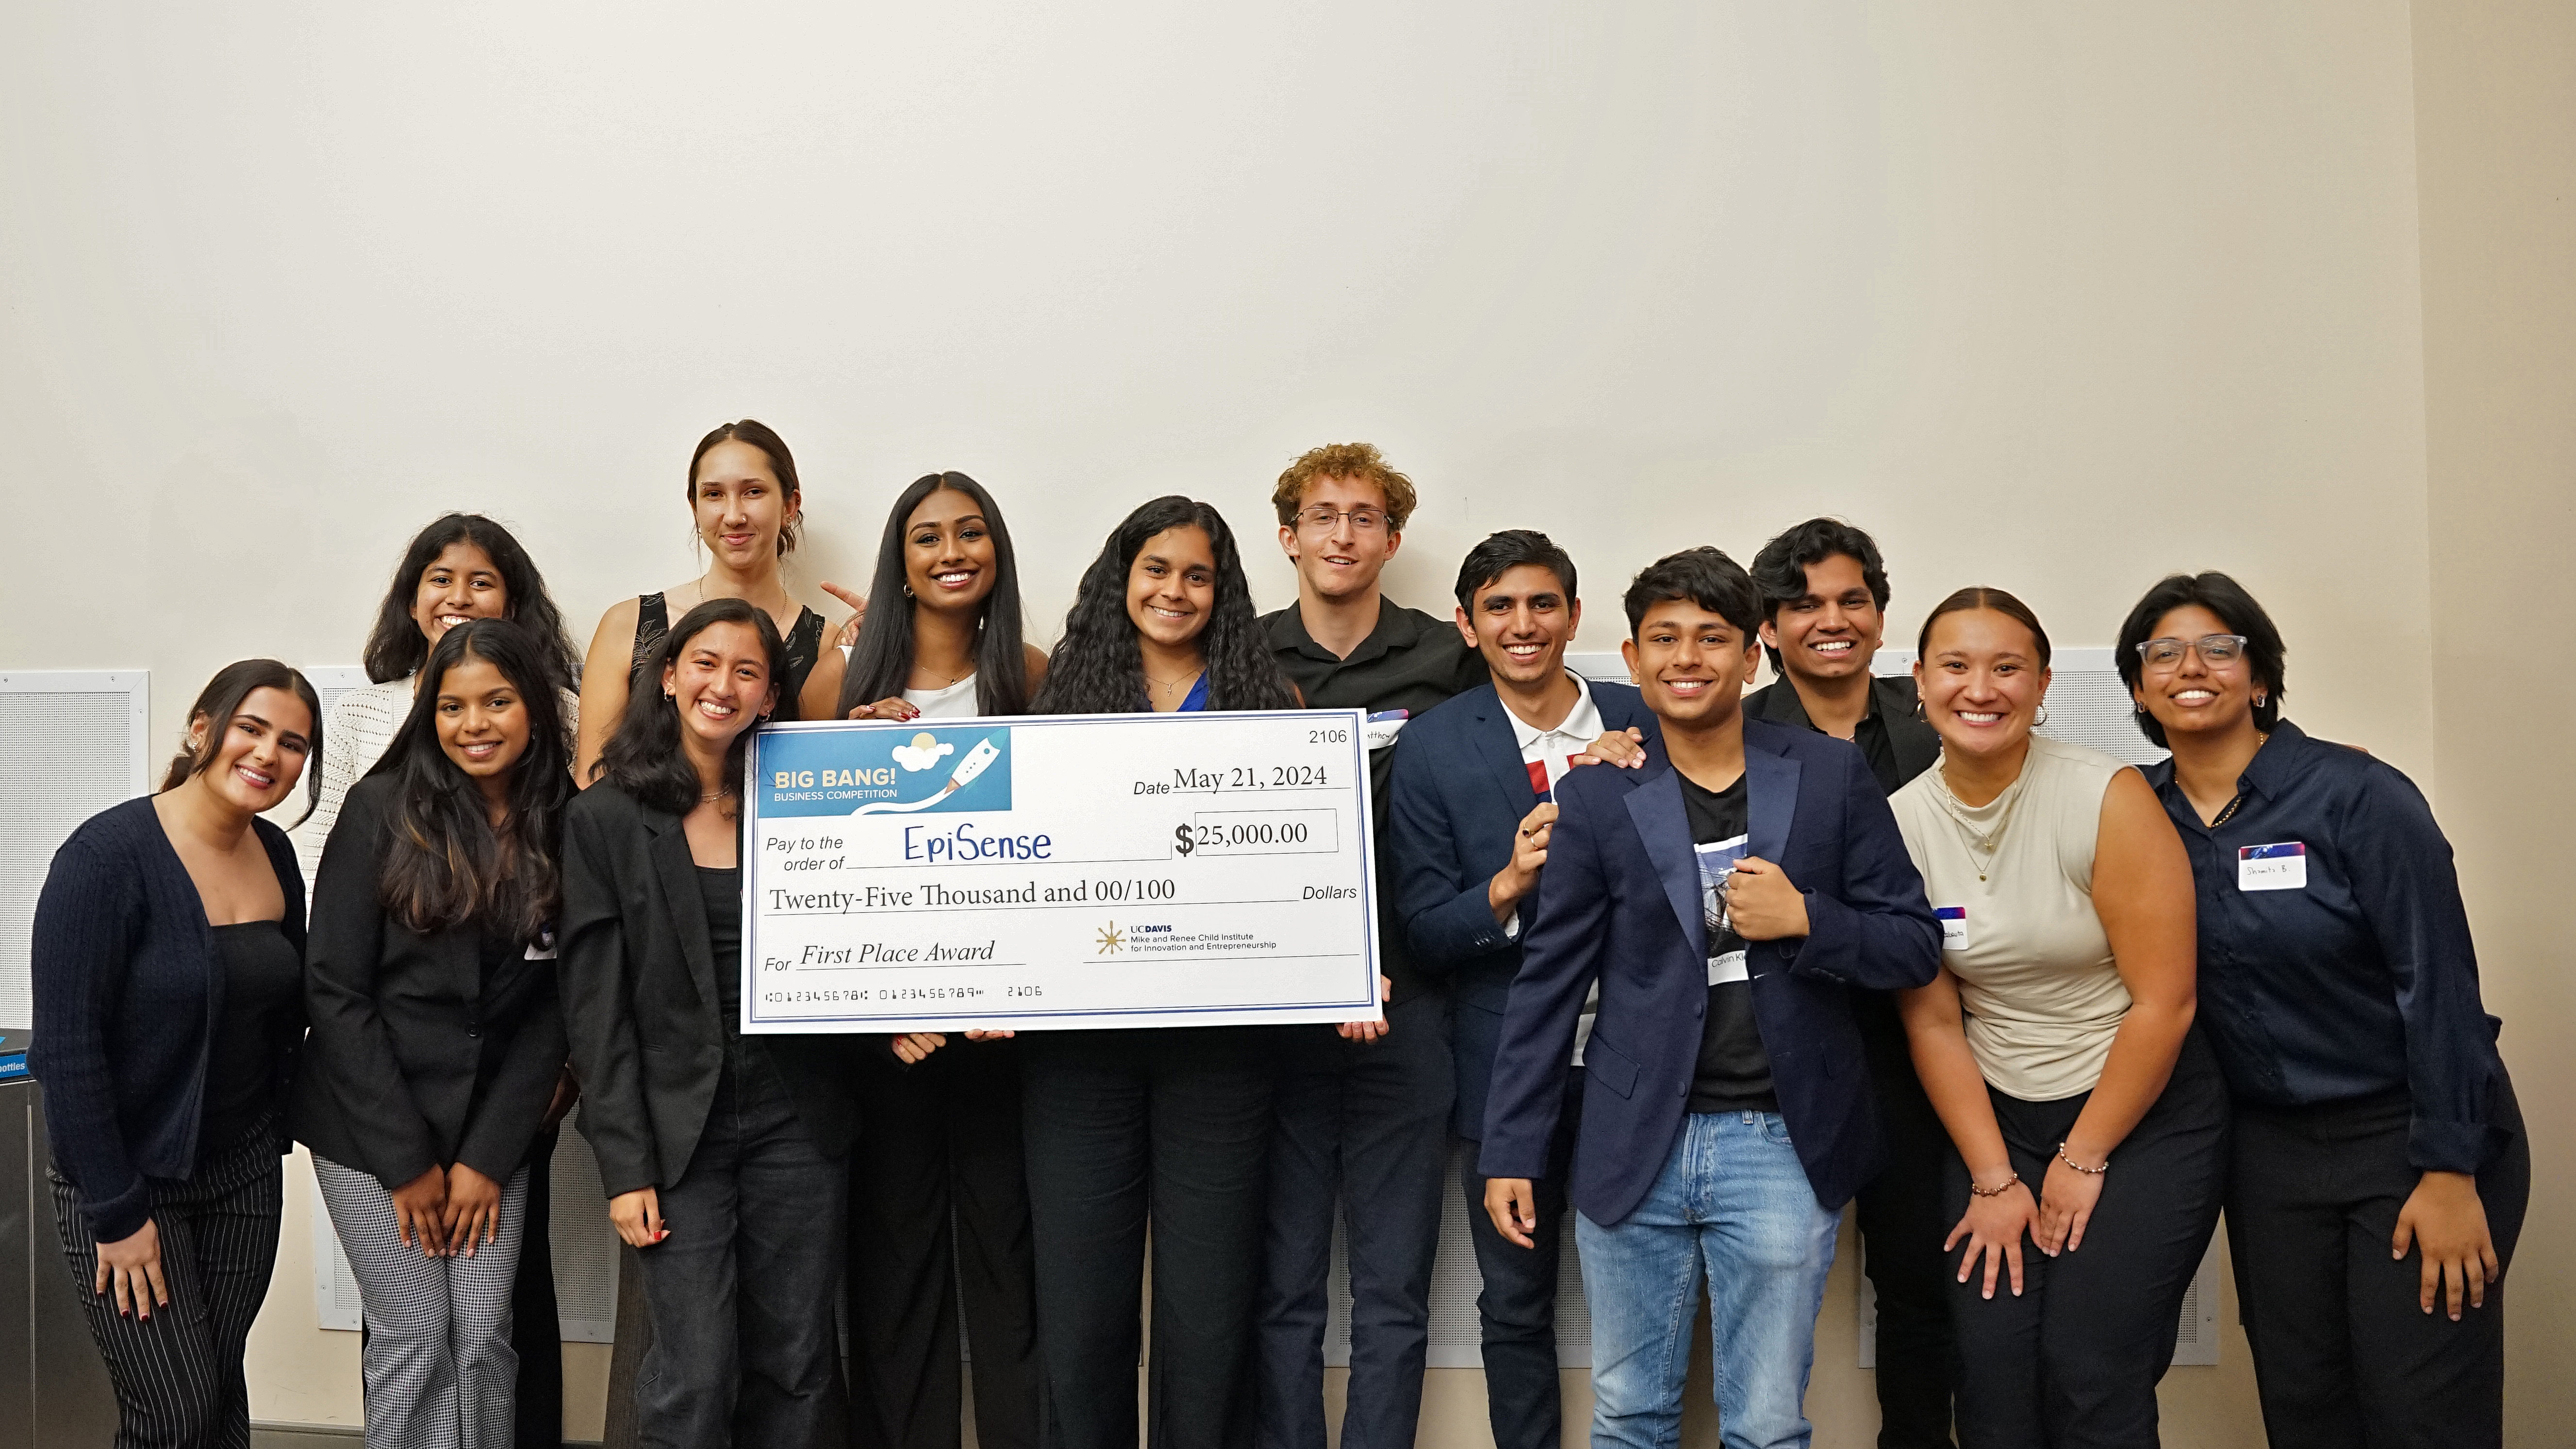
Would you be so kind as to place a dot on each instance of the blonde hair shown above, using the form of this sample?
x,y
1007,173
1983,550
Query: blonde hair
x,y
1361,462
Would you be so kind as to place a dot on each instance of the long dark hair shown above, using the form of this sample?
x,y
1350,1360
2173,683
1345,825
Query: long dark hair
x,y
396,648
1098,668
644,758
2235,608
881,662
222,698
445,865
759,435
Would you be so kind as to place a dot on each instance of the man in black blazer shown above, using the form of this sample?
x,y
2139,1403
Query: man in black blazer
x,y
1468,818
1824,614
1725,898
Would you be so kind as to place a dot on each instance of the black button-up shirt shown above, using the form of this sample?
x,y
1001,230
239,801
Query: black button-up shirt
x,y
1410,661
1897,745
2360,982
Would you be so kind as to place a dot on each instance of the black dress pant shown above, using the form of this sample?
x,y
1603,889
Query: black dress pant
x,y
1901,1220
2074,1360
940,1142
1516,1307
745,1350
2344,1358
1361,1130
1171,1124
536,1327
178,1374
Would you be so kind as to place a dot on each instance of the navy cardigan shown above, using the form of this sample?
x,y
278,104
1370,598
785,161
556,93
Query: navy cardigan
x,y
128,990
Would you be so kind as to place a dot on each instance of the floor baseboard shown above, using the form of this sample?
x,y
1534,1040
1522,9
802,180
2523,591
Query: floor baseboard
x,y
336,1436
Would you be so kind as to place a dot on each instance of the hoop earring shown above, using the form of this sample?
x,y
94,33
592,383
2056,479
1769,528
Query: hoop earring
x,y
2259,698
671,694
2041,719
907,591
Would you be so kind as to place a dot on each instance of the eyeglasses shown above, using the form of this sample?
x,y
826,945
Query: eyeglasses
x,y
2216,650
1320,519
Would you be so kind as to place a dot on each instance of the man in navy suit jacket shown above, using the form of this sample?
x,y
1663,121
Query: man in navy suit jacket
x,y
1725,898
1467,826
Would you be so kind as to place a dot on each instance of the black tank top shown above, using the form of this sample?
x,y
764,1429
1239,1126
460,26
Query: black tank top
x,y
804,644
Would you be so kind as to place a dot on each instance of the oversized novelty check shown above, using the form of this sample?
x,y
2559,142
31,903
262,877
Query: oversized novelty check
x,y
1128,870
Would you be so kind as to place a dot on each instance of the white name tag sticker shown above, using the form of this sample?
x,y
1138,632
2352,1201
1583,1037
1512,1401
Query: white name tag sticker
x,y
1954,927
2281,867
1380,729
1726,968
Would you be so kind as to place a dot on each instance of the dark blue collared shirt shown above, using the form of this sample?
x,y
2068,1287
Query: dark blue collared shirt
x,y
2358,980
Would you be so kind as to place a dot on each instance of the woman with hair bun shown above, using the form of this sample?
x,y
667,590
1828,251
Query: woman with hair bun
x,y
749,513
2379,1167
1171,1123
438,1037
168,962
2087,1117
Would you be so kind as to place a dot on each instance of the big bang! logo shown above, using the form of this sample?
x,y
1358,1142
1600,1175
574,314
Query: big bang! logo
x,y
883,770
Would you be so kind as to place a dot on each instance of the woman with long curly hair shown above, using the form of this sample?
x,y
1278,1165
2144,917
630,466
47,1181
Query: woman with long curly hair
x,y
1168,1122
438,1036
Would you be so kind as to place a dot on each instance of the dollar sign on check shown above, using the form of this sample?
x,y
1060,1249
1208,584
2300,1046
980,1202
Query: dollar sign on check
x,y
1181,839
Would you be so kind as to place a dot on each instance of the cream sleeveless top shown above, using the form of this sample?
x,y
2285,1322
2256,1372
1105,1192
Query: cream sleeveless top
x,y
2042,996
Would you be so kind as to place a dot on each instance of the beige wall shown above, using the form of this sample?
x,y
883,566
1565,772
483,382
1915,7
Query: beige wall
x,y
2495,104
2053,297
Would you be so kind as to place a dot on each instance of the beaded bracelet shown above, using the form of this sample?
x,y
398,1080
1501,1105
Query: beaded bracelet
x,y
2011,1180
2080,1167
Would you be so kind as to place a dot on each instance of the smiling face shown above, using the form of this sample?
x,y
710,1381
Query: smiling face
x,y
740,504
1171,587
948,551
1341,557
460,584
261,752
1831,630
1521,624
1981,682
720,683
1690,663
2192,696
482,722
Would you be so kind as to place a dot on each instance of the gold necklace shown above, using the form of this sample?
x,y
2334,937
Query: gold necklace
x,y
1991,841
1175,684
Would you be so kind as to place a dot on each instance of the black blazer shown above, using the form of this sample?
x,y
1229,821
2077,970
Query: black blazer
x,y
416,1059
1915,744
1620,903
1454,809
639,981
128,992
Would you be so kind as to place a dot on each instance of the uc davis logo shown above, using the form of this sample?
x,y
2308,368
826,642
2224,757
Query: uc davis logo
x,y
891,770
1111,939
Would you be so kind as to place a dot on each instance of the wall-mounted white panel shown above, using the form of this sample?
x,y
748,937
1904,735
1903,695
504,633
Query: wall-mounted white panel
x,y
71,744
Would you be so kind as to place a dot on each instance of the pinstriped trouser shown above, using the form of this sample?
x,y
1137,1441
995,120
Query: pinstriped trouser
x,y
440,1371
178,1377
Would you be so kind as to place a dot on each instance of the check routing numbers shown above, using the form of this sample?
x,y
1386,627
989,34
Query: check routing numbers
x,y
1060,873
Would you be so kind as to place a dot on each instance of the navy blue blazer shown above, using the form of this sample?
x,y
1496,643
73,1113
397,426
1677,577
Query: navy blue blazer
x,y
1457,799
1620,902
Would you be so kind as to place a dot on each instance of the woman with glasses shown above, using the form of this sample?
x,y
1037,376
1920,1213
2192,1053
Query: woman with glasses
x,y
1166,1123
2088,1119
2379,1168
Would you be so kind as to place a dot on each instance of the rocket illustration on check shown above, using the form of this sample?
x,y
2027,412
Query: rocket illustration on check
x,y
974,764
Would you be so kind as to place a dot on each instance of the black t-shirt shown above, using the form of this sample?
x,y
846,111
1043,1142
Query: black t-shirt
x,y
263,990
1734,1072
721,890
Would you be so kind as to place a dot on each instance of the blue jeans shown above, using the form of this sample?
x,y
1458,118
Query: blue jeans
x,y
1732,1198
